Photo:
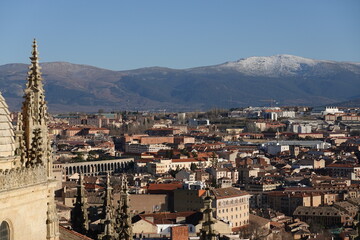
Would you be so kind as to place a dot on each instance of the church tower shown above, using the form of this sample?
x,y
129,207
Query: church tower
x,y
27,206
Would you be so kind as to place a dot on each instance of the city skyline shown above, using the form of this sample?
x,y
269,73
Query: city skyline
x,y
127,35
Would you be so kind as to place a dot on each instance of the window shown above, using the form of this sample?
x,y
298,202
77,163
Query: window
x,y
4,231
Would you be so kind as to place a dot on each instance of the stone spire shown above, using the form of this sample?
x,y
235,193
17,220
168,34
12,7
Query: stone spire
x,y
123,217
107,205
34,118
107,224
79,214
207,231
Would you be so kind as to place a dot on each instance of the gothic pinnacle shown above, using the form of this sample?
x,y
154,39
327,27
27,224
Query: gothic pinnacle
x,y
79,214
207,231
34,51
123,218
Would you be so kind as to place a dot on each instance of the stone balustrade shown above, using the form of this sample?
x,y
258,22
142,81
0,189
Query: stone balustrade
x,y
21,177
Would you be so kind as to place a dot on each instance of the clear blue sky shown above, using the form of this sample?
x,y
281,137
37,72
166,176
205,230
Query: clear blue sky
x,y
122,35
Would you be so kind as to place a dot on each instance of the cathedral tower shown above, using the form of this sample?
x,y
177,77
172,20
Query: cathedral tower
x,y
27,207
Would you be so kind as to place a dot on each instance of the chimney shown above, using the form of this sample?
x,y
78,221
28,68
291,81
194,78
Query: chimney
x,y
179,233
180,219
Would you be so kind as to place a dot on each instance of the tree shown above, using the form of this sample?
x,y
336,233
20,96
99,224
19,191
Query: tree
x,y
79,157
255,231
193,167
251,127
173,172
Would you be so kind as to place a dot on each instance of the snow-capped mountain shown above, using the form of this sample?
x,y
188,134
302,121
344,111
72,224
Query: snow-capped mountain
x,y
281,65
291,80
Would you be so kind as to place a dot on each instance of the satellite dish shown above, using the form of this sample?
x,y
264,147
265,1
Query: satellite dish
x,y
156,208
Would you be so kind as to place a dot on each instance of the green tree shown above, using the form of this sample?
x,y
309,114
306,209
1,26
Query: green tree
x,y
193,167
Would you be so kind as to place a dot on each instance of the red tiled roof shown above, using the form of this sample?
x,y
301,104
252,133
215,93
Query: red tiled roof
x,y
165,217
339,165
164,186
67,234
229,192
186,160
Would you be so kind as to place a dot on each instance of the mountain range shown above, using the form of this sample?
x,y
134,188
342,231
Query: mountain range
x,y
254,81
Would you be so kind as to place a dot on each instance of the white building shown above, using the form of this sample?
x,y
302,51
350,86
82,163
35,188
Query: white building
x,y
142,148
301,128
331,110
198,122
277,148
287,114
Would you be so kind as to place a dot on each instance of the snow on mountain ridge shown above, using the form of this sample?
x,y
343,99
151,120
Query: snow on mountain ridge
x,y
271,66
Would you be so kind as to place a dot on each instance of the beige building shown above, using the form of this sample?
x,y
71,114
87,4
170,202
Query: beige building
x,y
164,165
27,207
159,224
231,204
148,203
287,202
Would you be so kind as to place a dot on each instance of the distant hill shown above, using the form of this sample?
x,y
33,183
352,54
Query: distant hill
x,y
290,80
351,103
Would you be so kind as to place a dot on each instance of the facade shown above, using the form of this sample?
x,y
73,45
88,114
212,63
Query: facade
x,y
348,171
324,215
164,165
287,202
142,148
232,206
27,207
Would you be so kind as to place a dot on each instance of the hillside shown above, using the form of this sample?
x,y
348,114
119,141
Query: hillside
x,y
290,80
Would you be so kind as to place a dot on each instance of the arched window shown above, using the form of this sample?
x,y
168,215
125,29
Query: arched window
x,y
4,231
